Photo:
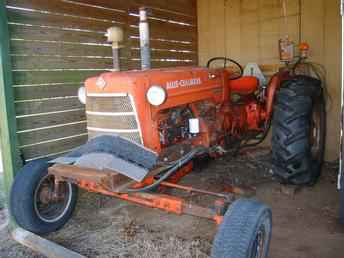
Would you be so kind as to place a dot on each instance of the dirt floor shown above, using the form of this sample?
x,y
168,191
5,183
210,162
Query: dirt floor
x,y
305,223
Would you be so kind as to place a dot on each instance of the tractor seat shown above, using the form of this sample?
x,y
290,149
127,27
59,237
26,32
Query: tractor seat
x,y
244,85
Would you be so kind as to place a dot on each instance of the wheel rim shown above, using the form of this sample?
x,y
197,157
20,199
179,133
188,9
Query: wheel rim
x,y
316,133
259,244
48,207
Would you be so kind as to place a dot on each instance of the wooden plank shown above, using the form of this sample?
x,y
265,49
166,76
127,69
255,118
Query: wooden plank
x,y
186,7
332,61
27,138
168,31
70,8
159,44
74,8
47,105
268,40
109,179
233,21
58,21
43,246
44,77
166,55
45,91
51,62
203,31
20,47
250,28
8,138
43,149
162,64
76,173
313,17
35,122
166,16
123,5
55,34
273,9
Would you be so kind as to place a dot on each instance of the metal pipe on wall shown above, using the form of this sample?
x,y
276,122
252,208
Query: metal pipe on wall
x,y
144,40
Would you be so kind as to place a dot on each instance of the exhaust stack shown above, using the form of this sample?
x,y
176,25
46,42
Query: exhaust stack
x,y
115,36
144,40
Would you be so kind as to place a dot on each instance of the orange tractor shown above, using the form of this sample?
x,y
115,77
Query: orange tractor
x,y
147,126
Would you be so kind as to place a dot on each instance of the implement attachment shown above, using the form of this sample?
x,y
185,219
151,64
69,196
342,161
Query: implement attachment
x,y
116,185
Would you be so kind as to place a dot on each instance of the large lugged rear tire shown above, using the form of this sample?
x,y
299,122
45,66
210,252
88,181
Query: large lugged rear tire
x,y
245,231
31,202
298,131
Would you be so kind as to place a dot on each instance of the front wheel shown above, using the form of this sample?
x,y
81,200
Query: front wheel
x,y
245,231
34,203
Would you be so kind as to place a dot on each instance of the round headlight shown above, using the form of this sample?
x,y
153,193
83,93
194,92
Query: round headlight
x,y
156,95
82,95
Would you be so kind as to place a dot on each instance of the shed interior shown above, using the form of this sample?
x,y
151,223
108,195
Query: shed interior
x,y
55,45
52,46
249,30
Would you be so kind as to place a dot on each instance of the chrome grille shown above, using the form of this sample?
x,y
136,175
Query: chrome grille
x,y
109,104
112,114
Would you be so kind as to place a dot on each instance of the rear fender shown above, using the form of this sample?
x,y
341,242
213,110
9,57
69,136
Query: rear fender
x,y
274,84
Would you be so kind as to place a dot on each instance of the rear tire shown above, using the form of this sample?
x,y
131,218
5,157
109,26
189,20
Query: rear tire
x,y
32,208
245,231
298,131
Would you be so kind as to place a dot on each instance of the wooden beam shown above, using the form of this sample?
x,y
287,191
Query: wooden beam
x,y
8,130
43,246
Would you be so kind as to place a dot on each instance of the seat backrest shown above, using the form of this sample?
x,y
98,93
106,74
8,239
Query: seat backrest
x,y
244,85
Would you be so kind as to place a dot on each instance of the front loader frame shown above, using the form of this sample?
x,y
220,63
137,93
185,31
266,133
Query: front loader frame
x,y
118,186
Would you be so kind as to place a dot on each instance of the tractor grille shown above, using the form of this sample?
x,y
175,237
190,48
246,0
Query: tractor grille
x,y
109,114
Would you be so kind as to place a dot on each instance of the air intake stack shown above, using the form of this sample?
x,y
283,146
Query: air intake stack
x,y
144,40
115,36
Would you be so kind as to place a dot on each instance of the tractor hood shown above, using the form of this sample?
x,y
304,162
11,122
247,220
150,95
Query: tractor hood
x,y
175,81
118,102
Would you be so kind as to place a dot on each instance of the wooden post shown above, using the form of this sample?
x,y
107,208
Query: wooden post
x,y
8,138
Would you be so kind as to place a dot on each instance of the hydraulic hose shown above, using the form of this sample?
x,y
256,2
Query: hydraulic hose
x,y
170,170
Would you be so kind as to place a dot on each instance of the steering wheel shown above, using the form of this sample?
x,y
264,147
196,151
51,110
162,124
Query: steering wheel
x,y
226,61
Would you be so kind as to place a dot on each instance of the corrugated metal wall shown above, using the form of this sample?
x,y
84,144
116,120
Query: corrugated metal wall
x,y
57,44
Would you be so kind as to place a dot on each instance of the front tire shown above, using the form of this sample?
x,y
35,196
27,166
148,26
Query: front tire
x,y
31,199
245,231
298,131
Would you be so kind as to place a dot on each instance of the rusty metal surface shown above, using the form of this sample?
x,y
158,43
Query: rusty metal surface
x,y
107,161
108,179
198,211
190,189
111,183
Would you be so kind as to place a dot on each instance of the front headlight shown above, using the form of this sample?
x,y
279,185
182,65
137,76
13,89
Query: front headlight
x,y
156,95
82,95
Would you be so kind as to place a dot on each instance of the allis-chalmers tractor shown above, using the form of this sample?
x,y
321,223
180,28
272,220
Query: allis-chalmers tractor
x,y
146,127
